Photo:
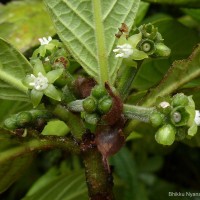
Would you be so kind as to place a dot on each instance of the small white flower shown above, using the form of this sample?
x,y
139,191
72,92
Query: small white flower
x,y
40,82
164,104
197,117
123,51
46,59
45,40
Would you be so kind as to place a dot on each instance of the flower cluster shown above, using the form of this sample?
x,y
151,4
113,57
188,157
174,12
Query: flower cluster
x,y
49,63
97,104
176,118
41,83
146,42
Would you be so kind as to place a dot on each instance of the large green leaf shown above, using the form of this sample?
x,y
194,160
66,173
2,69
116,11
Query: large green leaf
x,y
23,22
88,30
11,166
179,74
13,68
66,187
195,13
186,3
125,167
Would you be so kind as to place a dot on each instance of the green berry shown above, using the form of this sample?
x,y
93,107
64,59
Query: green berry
x,y
179,116
156,119
91,118
90,104
99,91
180,100
10,123
147,46
23,119
162,50
40,114
105,104
166,135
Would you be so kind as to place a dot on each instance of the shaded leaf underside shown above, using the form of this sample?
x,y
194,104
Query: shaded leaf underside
x,y
13,68
88,30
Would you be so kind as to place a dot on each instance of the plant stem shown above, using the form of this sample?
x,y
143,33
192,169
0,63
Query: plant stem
x,y
99,179
126,80
42,143
137,112
73,121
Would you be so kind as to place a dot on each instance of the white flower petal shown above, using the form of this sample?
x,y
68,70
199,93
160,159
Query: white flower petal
x,y
197,117
40,82
123,51
45,40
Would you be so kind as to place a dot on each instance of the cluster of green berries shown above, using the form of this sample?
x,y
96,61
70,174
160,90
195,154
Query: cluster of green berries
x,y
145,41
175,119
49,73
97,104
26,119
152,41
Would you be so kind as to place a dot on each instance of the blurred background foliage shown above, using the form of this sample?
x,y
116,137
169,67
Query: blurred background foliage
x,y
143,169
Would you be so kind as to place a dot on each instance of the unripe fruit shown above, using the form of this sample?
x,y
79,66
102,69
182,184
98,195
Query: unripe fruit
x,y
90,104
91,118
105,104
10,123
162,50
156,119
147,46
179,116
98,91
166,135
180,100
23,119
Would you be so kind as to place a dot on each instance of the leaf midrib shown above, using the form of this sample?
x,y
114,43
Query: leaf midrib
x,y
100,42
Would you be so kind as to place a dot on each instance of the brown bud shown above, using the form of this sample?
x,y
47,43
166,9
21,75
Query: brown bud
x,y
109,140
83,86
115,111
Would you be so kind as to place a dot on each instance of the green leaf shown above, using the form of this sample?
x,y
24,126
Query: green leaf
x,y
179,74
186,3
13,68
142,10
11,107
126,169
88,30
23,22
11,167
181,45
194,13
52,128
66,187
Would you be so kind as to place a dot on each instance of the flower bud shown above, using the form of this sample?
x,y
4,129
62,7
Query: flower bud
x,y
164,107
179,116
166,135
10,123
179,100
162,50
147,46
148,31
98,91
105,104
156,119
23,119
91,118
89,104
